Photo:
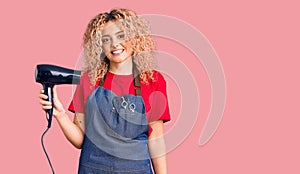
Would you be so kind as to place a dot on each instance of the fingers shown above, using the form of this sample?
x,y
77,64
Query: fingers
x,y
42,95
45,104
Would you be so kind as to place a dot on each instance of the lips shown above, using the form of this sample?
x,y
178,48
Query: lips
x,y
116,52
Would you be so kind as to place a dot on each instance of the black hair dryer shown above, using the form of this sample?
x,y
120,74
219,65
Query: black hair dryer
x,y
50,75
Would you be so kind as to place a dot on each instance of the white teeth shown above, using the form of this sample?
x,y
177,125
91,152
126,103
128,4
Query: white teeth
x,y
117,51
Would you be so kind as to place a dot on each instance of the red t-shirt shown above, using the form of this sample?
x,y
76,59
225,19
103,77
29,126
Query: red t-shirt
x,y
154,94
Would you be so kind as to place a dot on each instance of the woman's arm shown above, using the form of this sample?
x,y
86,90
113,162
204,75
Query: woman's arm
x,y
73,130
157,147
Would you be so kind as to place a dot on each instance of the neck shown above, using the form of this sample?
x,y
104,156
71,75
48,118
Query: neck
x,y
123,68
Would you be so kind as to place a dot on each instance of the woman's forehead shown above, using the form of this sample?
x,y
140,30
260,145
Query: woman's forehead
x,y
111,27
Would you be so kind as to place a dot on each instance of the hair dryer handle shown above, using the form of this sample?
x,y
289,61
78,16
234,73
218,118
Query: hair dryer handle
x,y
48,91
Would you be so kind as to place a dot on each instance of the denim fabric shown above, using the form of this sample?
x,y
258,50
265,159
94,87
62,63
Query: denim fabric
x,y
116,139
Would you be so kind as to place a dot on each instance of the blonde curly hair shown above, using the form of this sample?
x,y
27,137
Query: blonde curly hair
x,y
137,31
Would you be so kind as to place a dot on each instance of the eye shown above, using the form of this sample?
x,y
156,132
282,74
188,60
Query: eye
x,y
105,40
121,36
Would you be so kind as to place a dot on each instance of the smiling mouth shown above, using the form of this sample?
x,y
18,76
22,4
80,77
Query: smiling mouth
x,y
116,52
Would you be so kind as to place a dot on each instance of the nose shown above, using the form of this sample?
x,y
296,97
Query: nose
x,y
115,42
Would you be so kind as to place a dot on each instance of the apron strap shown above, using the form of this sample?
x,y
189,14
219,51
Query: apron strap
x,y
136,76
137,82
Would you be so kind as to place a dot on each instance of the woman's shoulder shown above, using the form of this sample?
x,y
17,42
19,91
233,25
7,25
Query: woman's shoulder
x,y
155,79
158,76
84,75
85,79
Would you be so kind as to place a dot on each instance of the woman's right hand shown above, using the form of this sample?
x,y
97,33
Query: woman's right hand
x,y
58,109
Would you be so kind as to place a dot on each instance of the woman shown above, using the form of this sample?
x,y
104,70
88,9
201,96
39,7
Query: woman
x,y
121,103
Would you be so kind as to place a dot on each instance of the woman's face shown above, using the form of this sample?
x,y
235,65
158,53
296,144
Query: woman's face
x,y
115,47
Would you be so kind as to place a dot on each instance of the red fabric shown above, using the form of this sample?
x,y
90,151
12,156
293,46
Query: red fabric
x,y
154,94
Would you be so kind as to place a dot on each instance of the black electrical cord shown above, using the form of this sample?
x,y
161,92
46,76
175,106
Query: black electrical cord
x,y
42,140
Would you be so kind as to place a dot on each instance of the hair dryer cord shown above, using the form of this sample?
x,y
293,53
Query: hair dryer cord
x,y
42,141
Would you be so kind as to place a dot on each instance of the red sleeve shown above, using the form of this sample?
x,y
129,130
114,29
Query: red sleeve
x,y
77,104
159,101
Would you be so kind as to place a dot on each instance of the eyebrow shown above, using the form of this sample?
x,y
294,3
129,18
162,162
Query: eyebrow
x,y
115,33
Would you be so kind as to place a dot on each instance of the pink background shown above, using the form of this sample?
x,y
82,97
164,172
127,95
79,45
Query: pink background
x,y
257,43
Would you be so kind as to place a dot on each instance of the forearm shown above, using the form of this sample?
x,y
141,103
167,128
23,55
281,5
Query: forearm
x,y
157,148
71,131
160,164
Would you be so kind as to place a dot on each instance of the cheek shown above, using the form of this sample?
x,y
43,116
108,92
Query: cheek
x,y
130,51
106,49
128,47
